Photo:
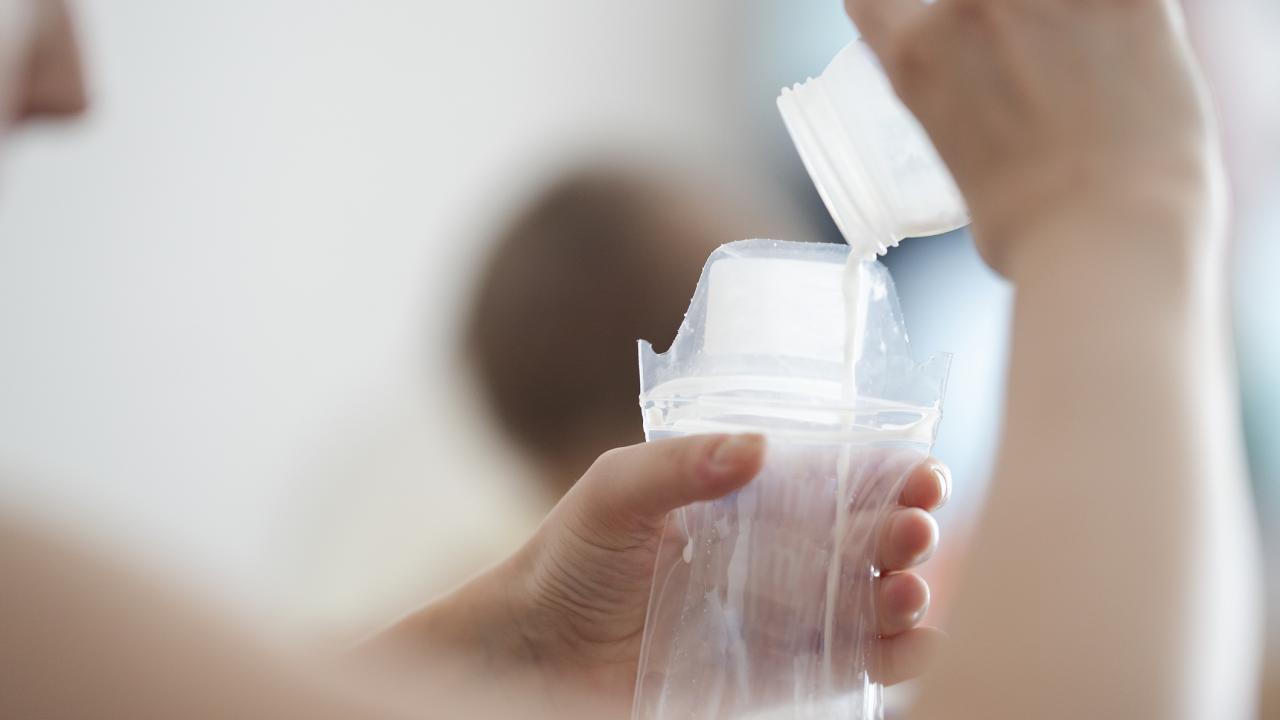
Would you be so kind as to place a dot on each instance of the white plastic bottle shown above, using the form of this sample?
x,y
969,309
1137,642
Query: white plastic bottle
x,y
871,161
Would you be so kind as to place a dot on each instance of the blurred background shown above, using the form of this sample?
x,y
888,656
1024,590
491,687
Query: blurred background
x,y
296,309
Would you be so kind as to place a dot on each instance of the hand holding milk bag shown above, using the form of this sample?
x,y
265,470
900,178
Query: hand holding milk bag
x,y
763,602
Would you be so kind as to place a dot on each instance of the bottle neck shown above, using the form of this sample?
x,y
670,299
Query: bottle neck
x,y
840,172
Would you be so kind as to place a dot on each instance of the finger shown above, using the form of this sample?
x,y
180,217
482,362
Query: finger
x,y
928,486
906,656
642,483
879,20
908,537
902,600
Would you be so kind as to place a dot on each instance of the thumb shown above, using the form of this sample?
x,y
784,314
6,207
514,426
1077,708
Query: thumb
x,y
635,487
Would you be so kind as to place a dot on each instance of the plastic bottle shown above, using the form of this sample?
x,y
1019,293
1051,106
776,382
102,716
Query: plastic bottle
x,y
871,161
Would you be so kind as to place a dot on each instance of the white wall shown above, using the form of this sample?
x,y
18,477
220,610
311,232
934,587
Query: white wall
x,y
227,296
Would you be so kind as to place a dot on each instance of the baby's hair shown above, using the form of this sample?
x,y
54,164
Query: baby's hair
x,y
603,257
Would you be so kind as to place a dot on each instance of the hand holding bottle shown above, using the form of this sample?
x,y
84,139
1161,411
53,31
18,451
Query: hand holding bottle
x,y
1049,111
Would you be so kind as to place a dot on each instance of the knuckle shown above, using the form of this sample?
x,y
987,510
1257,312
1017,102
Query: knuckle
x,y
908,60
617,461
1140,10
974,13
607,465
604,493
1137,4
609,459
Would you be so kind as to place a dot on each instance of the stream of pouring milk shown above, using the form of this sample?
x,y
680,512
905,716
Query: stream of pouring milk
x,y
856,296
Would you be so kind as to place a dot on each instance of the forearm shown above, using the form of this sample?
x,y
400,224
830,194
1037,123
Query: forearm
x,y
85,635
1113,574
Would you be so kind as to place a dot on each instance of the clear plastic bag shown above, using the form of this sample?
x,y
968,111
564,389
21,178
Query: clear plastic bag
x,y
763,604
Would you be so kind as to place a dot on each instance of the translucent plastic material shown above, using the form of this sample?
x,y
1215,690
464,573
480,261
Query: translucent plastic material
x,y
873,164
763,602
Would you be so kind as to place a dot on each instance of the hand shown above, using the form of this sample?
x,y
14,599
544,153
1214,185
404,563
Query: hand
x,y
1044,108
570,606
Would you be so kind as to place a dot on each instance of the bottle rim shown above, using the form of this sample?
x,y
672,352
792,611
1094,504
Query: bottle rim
x,y
839,170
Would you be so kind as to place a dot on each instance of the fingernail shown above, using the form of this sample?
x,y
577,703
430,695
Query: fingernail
x,y
944,476
906,537
736,452
918,616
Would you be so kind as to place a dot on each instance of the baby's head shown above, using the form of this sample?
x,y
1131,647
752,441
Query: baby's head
x,y
603,257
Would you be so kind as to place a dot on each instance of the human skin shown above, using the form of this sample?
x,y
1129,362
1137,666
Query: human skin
x,y
40,73
1134,597
84,634
552,632
1088,154
591,563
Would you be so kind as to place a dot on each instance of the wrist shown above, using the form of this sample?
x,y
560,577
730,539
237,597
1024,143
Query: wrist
x,y
1165,232
1169,212
474,627
1145,273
